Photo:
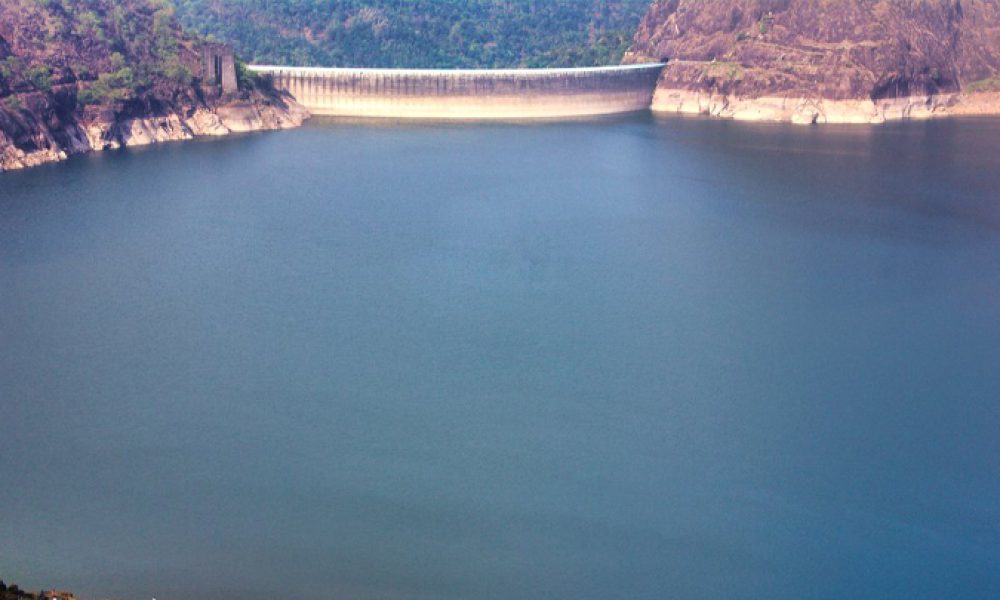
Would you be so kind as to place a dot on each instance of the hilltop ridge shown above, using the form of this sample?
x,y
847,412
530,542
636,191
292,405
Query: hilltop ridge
x,y
820,61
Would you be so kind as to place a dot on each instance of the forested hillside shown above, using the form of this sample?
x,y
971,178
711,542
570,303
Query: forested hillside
x,y
420,33
113,50
81,75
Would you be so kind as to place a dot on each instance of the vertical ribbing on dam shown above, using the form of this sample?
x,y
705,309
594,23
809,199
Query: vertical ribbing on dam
x,y
468,94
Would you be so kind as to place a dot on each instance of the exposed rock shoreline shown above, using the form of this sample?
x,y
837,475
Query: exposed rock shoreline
x,y
45,135
808,111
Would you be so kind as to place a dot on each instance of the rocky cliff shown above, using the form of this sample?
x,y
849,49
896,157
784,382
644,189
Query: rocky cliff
x,y
824,60
83,75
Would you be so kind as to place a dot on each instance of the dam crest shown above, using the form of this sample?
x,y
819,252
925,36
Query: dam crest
x,y
468,93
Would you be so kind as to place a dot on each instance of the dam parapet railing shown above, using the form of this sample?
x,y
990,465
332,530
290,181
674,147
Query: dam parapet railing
x,y
468,93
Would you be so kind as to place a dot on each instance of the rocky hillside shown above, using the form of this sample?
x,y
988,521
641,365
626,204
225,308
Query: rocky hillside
x,y
81,75
824,60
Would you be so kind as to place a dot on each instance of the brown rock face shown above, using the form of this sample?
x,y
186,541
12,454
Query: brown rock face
x,y
823,49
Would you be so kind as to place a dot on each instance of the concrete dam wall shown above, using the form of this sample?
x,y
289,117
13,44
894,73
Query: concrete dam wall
x,y
468,93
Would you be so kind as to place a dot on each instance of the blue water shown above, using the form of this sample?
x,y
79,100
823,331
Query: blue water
x,y
626,358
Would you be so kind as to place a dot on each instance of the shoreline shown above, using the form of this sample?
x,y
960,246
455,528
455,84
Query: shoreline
x,y
243,116
819,111
111,133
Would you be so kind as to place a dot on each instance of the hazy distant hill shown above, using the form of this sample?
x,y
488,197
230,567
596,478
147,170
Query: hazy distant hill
x,y
420,33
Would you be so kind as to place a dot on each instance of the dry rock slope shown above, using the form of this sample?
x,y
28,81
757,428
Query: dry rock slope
x,y
808,61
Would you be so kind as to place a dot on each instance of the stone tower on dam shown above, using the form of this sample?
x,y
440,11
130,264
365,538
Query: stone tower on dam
x,y
219,66
468,94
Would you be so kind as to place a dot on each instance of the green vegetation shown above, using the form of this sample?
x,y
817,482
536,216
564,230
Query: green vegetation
x,y
420,33
88,25
116,85
726,70
11,68
764,24
113,49
40,76
245,78
13,103
991,84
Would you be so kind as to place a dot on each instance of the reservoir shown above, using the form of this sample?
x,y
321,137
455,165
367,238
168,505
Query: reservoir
x,y
629,357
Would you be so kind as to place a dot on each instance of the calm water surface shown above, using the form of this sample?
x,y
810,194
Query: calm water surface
x,y
626,358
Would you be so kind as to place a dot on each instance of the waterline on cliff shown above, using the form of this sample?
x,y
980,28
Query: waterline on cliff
x,y
810,111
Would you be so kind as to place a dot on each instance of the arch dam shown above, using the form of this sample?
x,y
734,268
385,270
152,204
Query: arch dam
x,y
468,93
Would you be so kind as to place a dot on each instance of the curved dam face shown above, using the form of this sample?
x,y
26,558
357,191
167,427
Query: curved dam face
x,y
468,93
